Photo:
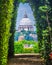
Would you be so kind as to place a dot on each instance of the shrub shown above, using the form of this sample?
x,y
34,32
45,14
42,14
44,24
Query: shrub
x,y
18,47
36,48
28,50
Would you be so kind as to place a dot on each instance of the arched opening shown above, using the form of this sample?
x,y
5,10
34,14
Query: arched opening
x,y
11,46
41,25
25,37
39,18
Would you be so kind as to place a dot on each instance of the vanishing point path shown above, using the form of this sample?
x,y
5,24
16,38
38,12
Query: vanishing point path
x,y
26,59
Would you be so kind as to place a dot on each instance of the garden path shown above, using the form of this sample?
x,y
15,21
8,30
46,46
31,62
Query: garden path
x,y
26,59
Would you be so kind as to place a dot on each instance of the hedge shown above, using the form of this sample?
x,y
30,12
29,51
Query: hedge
x,y
6,8
19,47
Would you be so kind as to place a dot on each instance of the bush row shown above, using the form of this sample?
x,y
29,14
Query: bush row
x,y
19,47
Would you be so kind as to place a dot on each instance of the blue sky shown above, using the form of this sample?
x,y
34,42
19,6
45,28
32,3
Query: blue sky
x,y
21,11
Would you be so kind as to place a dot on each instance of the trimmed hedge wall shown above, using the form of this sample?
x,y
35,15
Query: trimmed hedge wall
x,y
6,8
12,29
19,47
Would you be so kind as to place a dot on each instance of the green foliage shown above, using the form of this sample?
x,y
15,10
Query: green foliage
x,y
46,39
42,14
23,1
19,47
28,50
44,8
36,48
28,42
12,29
47,46
6,8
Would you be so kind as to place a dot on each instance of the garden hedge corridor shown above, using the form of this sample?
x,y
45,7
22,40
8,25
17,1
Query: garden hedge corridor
x,y
42,10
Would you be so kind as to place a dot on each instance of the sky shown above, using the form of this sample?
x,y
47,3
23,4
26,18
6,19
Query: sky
x,y
21,11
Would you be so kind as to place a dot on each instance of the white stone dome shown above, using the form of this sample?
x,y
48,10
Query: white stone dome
x,y
25,21
25,24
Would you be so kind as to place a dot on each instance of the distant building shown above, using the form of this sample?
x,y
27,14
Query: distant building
x,y
26,29
26,24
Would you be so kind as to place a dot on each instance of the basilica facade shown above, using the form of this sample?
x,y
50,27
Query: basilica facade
x,y
26,24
